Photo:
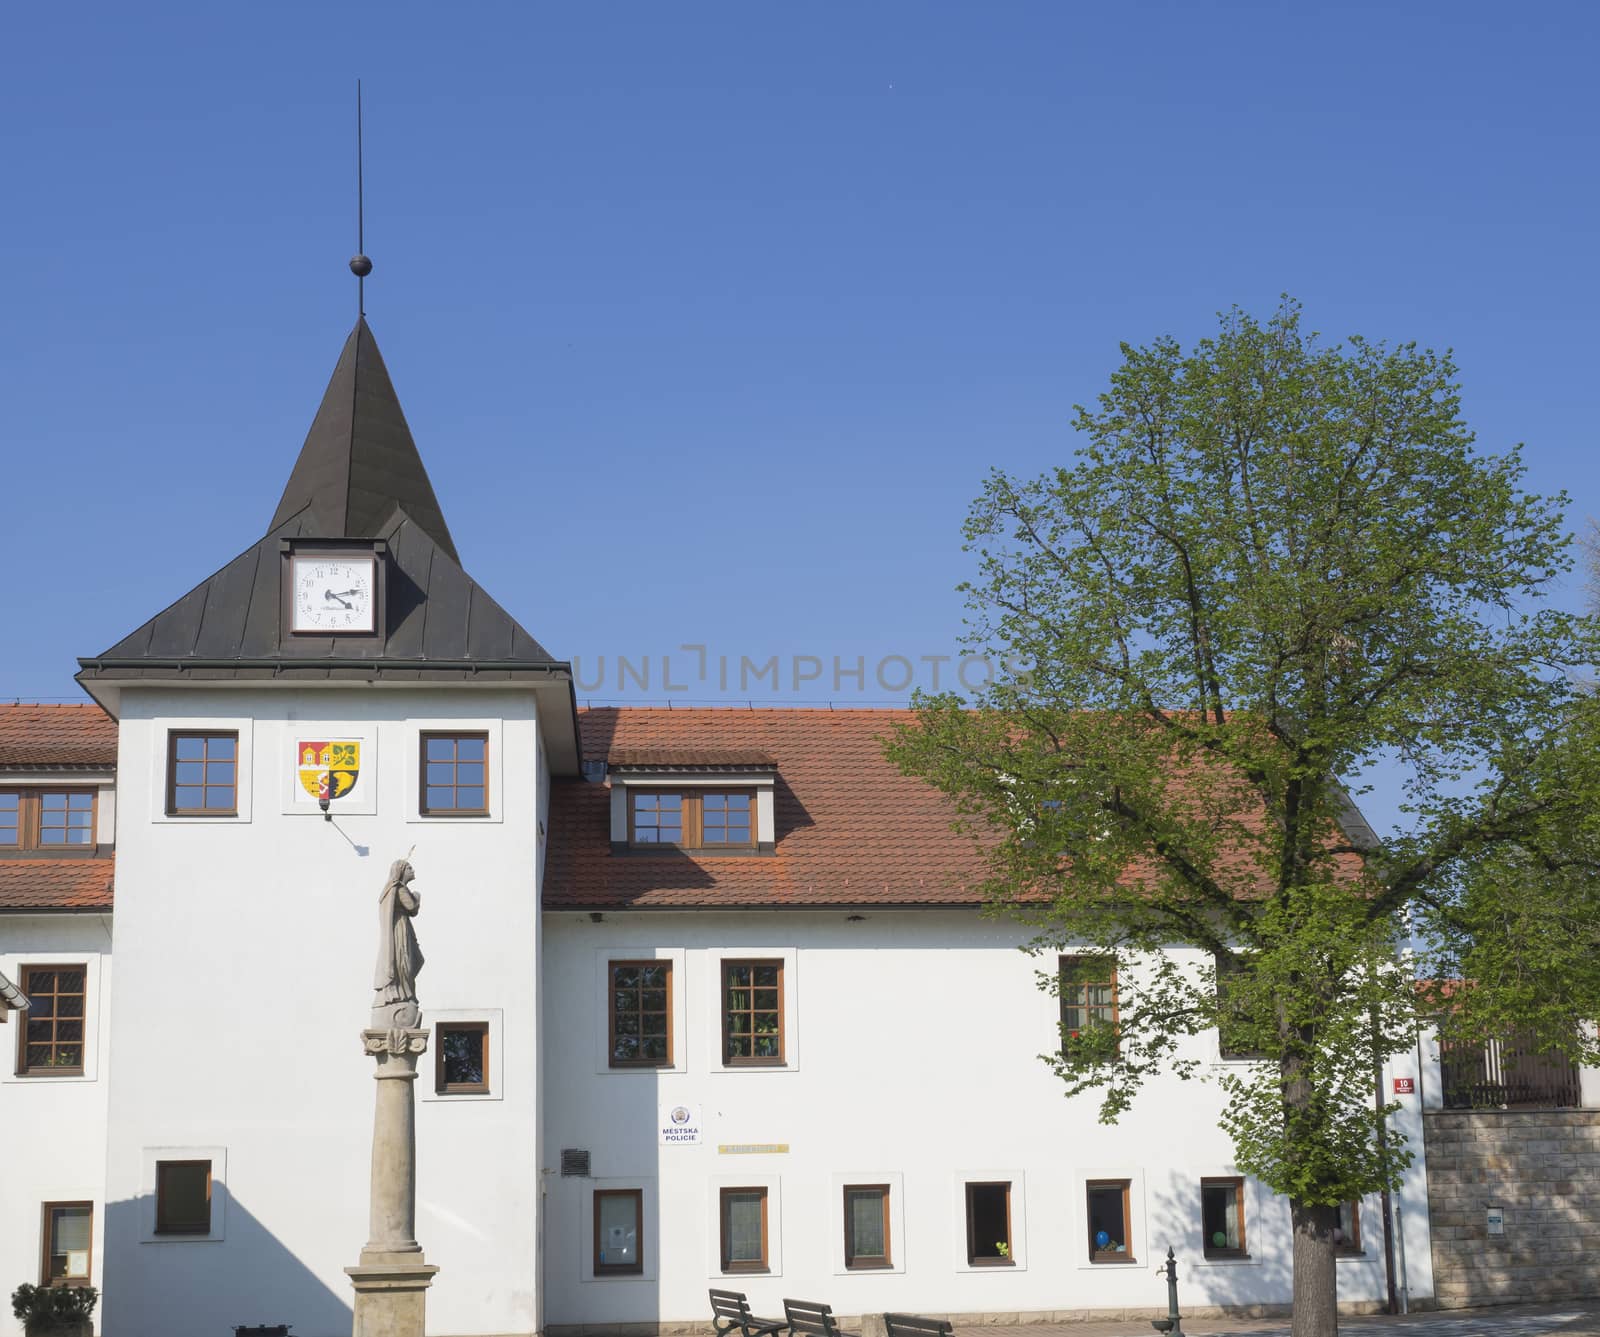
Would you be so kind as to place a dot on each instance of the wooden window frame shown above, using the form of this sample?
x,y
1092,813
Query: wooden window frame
x,y
1235,1185
725,1235
1114,1256
30,818
190,1231
441,1086
174,736
1352,1245
867,1261
636,1267
729,1058
1007,1259
23,1068
611,1014
692,799
455,735
1069,960
45,1279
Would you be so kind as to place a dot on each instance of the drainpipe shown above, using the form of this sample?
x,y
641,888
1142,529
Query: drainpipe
x,y
1385,1200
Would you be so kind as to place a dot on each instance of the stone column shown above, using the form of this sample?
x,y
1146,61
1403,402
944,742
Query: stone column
x,y
392,1277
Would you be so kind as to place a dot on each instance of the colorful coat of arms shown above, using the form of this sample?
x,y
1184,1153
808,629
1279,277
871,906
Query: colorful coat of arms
x,y
328,770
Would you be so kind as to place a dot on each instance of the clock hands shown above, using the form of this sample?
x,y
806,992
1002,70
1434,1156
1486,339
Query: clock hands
x,y
329,594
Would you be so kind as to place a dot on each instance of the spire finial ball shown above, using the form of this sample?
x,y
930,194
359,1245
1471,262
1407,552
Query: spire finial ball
x,y
360,266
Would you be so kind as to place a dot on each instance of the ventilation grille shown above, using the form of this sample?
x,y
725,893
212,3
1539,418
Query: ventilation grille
x,y
574,1162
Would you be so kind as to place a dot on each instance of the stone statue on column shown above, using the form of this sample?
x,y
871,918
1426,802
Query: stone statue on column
x,y
392,1277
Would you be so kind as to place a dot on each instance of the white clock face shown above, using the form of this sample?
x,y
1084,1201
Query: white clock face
x,y
334,594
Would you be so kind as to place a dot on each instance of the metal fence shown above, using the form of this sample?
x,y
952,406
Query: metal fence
x,y
1506,1074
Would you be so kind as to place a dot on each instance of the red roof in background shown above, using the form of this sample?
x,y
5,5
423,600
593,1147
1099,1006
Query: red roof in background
x,y
852,830
699,758
49,736
55,884
46,738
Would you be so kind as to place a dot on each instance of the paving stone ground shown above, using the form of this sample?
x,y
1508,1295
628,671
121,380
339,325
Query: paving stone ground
x,y
1578,1319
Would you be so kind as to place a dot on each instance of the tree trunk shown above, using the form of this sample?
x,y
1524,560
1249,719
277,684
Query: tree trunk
x,y
1316,1292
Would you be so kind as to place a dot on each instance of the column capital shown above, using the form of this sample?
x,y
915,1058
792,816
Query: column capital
x,y
394,1041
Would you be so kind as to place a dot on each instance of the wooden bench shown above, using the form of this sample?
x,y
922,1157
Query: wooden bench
x,y
809,1319
911,1325
730,1312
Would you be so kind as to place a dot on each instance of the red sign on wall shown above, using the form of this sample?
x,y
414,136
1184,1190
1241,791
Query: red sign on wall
x,y
1405,1086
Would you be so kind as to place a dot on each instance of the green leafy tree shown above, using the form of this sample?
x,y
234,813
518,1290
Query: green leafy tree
x,y
1272,566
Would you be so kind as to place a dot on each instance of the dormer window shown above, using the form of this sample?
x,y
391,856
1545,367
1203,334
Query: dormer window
x,y
692,819
46,819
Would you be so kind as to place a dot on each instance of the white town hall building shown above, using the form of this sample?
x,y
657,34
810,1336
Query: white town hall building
x,y
710,998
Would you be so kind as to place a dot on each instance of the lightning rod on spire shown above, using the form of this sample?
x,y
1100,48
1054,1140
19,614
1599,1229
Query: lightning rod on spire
x,y
360,266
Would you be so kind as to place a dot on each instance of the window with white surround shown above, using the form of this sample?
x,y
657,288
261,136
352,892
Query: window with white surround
x,y
866,1227
53,1037
618,1232
618,1222
1110,1220
1222,1217
639,1014
1348,1240
744,1224
869,1233
468,1052
989,1223
200,770
743,1242
183,1195
753,1009
989,1216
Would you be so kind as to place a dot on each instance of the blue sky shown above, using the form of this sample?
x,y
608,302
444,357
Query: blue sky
x,y
709,319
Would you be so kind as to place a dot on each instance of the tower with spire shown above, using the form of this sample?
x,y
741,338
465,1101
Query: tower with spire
x,y
337,694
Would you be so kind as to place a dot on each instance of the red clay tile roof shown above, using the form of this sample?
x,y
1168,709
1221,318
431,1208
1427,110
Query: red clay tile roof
x,y
679,758
55,884
48,736
851,829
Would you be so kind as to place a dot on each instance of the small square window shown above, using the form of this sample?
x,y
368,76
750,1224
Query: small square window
x,y
66,819
461,1058
989,1224
1109,1221
743,1229
202,774
52,1039
866,1226
640,1006
68,1236
455,774
183,1197
752,1013
657,817
1222,1217
726,819
618,1231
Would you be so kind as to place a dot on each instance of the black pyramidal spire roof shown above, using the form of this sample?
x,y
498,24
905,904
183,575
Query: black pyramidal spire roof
x,y
358,477
359,462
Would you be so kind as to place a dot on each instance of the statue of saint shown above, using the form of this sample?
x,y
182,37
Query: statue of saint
x,y
394,983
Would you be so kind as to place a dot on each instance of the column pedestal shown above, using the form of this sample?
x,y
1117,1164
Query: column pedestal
x,y
392,1278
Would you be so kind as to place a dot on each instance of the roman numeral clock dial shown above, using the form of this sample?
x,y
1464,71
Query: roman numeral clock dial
x,y
334,594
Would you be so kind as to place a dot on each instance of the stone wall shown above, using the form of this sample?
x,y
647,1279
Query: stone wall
x,y
1541,1168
